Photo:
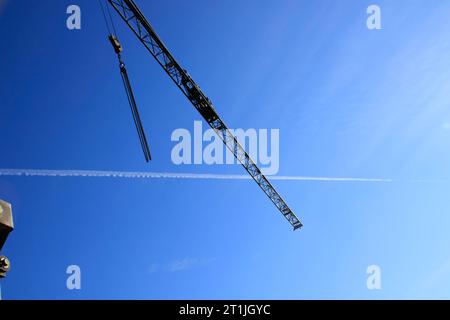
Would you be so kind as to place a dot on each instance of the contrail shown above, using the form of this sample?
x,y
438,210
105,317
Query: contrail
x,y
168,175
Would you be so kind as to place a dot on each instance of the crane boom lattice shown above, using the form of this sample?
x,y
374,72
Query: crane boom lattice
x,y
136,21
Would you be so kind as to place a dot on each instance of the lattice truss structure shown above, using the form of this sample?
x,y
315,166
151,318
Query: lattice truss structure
x,y
137,22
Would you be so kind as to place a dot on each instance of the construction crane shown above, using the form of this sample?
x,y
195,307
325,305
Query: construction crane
x,y
136,21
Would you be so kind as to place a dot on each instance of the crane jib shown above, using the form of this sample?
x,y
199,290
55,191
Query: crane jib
x,y
136,21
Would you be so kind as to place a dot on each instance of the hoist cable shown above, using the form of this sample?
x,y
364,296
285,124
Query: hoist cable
x,y
135,112
104,16
111,20
126,80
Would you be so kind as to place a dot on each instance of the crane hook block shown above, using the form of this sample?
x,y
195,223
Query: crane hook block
x,y
115,43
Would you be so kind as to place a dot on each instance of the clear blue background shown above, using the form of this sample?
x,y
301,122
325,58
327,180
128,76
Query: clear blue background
x,y
349,102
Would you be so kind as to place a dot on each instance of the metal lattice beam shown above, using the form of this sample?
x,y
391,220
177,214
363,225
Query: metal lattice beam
x,y
134,18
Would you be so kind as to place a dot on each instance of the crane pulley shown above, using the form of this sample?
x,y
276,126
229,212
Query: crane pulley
x,y
136,21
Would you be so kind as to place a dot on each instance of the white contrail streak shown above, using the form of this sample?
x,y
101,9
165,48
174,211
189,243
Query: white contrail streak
x,y
167,175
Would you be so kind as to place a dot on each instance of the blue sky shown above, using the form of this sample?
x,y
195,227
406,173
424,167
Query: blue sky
x,y
349,102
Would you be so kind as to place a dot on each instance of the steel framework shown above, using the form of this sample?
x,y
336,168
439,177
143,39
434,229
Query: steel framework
x,y
133,17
